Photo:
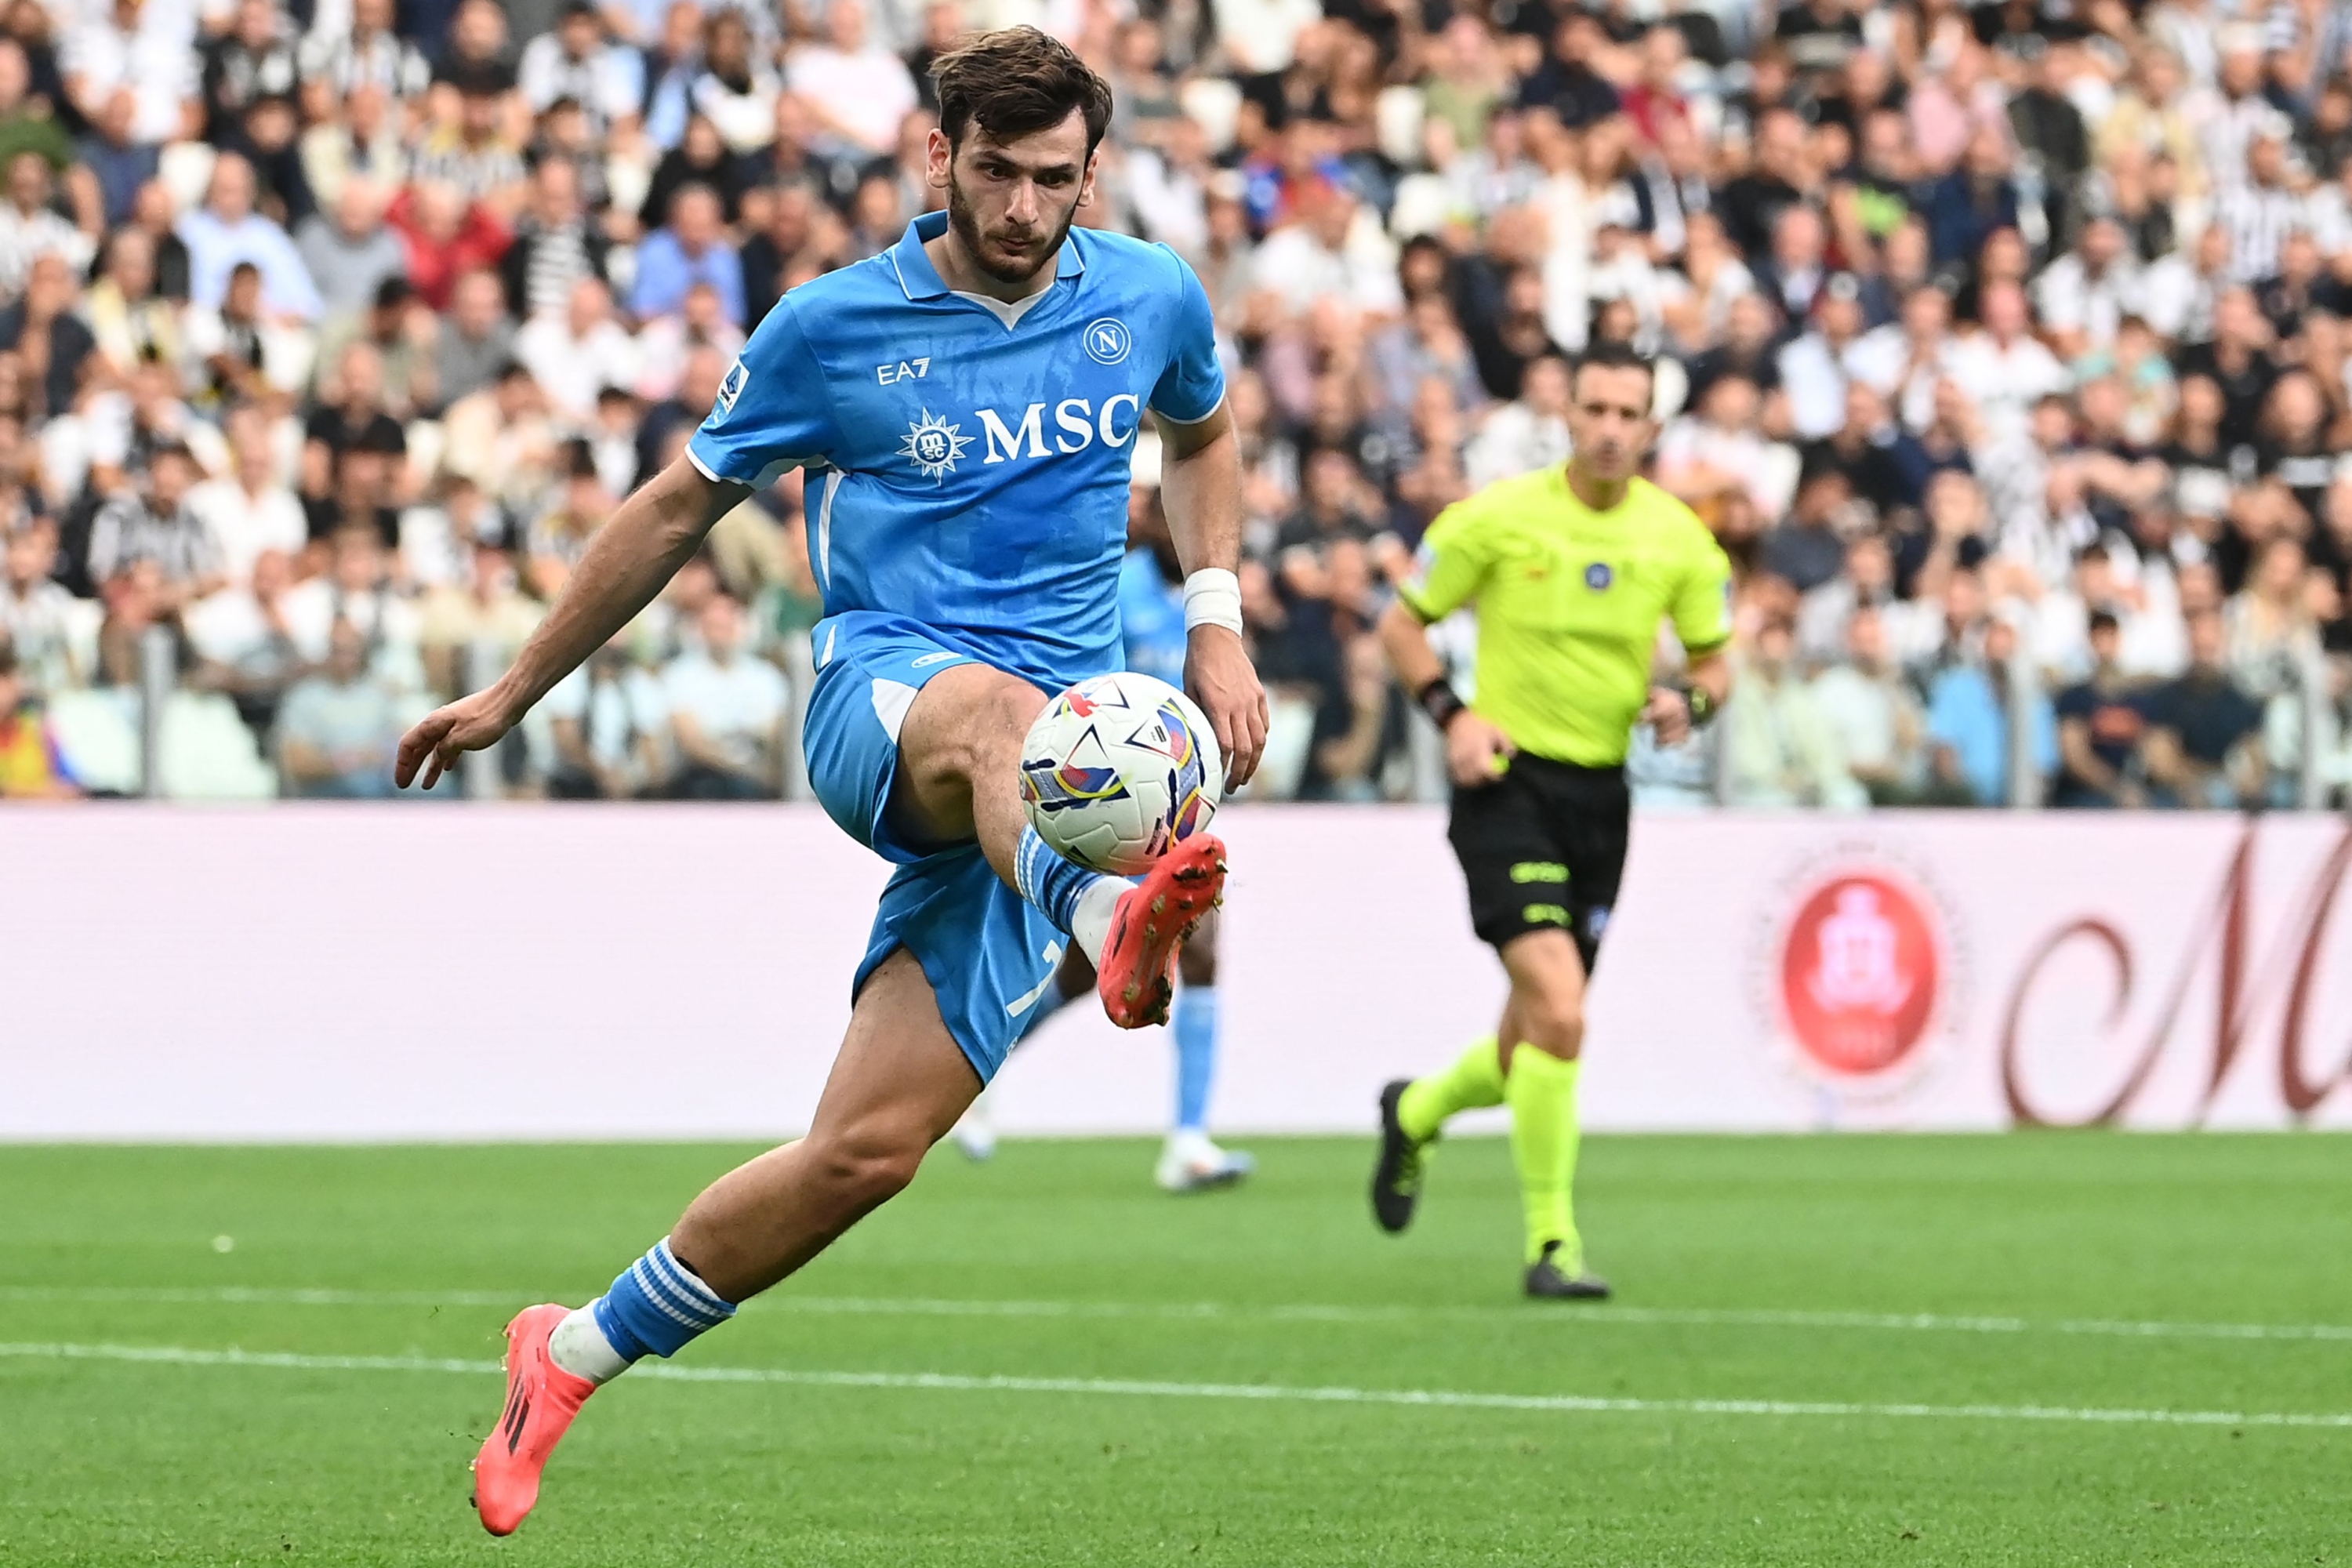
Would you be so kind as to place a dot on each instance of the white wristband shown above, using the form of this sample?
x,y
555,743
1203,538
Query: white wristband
x,y
1213,597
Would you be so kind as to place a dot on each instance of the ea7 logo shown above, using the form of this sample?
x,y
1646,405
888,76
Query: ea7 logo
x,y
1076,424
905,369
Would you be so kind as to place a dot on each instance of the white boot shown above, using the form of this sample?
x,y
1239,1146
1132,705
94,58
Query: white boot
x,y
974,1132
1189,1163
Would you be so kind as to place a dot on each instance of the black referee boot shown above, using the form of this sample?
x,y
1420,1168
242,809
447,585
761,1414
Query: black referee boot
x,y
1396,1177
1547,1281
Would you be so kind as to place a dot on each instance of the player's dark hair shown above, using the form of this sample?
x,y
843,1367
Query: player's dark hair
x,y
1609,353
1015,82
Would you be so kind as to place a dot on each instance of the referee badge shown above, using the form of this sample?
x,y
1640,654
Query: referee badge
x,y
1598,576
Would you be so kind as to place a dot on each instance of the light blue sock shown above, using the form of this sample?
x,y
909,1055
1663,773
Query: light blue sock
x,y
1196,1055
657,1306
1050,883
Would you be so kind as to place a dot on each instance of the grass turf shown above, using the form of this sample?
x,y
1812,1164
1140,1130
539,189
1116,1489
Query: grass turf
x,y
105,1462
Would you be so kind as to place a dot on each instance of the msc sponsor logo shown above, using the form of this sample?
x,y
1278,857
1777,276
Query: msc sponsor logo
x,y
934,445
1077,424
1108,340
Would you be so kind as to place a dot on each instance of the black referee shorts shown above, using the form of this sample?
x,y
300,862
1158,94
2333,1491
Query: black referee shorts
x,y
1543,849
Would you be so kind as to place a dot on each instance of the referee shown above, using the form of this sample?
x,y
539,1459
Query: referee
x,y
1571,569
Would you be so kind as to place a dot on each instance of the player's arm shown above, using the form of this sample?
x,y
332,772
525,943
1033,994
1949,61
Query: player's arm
x,y
654,533
1201,485
1445,575
1702,617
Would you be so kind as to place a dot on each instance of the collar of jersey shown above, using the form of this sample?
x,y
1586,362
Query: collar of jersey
x,y
921,280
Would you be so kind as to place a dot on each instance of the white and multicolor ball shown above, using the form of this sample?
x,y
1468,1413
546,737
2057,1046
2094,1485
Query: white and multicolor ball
x,y
1117,769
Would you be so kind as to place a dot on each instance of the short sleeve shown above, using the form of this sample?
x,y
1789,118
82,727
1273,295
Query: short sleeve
x,y
1450,567
773,412
1192,385
1703,603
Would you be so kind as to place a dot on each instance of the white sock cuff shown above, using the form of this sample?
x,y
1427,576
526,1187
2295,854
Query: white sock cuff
x,y
580,1348
1090,920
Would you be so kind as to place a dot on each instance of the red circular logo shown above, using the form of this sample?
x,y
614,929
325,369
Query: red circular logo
x,y
1859,974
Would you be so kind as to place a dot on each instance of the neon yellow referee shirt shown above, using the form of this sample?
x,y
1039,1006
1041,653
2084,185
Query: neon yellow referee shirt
x,y
1568,603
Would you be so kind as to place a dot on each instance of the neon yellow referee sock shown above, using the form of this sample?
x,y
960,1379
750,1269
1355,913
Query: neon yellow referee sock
x,y
1474,1081
1542,1095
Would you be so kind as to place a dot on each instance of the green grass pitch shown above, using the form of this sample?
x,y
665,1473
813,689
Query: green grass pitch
x,y
1855,1351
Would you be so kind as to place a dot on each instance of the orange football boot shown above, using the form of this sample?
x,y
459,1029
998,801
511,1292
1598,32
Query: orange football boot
x,y
541,1400
1137,977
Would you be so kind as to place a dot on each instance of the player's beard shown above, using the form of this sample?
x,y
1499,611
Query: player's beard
x,y
1004,269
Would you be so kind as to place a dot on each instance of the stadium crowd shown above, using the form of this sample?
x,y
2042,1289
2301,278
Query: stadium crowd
x,y
2003,347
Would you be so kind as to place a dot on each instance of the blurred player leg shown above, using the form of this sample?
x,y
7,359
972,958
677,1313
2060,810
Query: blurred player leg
x,y
960,758
899,1082
975,1132
1414,1113
1191,1163
1539,1074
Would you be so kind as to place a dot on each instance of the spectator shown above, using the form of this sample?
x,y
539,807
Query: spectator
x,y
573,356
49,339
337,728
556,249
608,718
446,236
32,767
2102,724
129,321
1780,748
136,87
693,248
1528,433
559,538
1873,716
733,90
153,525
350,253
356,590
1968,724
472,157
250,512
226,230
35,611
666,343
482,618
244,642
578,63
475,338
858,90
30,228
2204,744
727,712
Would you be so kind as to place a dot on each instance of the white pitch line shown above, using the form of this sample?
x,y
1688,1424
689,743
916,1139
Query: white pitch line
x,y
932,1306
1456,1399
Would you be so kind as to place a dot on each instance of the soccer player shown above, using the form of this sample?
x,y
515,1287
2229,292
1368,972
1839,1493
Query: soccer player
x,y
966,402
1152,614
1572,568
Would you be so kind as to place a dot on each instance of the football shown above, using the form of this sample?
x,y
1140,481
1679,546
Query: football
x,y
1117,769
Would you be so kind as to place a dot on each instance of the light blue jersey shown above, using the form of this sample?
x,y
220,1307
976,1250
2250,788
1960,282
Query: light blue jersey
x,y
967,502
1151,617
968,475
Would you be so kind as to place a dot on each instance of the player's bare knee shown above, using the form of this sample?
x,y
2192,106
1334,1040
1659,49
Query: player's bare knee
x,y
1552,1022
861,1167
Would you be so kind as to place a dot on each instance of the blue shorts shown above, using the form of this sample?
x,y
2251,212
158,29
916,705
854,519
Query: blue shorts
x,y
990,954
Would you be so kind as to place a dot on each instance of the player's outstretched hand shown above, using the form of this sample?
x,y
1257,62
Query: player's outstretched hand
x,y
1476,752
469,724
1219,676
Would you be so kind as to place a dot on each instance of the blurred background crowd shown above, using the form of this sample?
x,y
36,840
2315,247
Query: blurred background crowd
x,y
2003,347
